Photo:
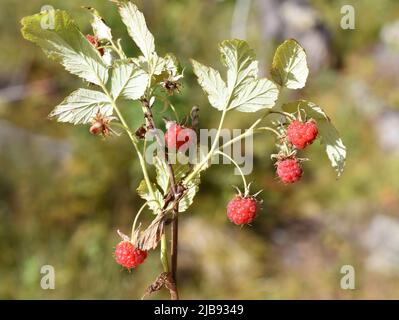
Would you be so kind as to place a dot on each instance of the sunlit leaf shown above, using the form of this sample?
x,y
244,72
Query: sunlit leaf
x,y
254,96
247,94
128,80
289,67
100,28
239,59
137,27
67,45
154,203
81,106
212,83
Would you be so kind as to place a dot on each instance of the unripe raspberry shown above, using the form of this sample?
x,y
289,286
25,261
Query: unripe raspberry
x,y
128,256
177,135
289,170
95,42
301,134
242,210
96,128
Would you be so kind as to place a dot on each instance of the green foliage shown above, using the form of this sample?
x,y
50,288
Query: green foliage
x,y
181,170
68,224
81,106
137,28
100,29
243,92
154,200
67,45
289,67
212,83
128,80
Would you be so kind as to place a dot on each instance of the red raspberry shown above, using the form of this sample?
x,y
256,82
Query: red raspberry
x,y
94,41
128,256
289,170
301,134
242,210
177,135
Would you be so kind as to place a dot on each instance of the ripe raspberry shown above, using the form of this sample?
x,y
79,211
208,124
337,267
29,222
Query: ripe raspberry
x,y
301,134
177,135
289,170
128,256
242,210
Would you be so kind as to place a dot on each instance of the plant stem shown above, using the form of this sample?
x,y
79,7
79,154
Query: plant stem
x,y
175,238
134,141
174,228
198,168
237,166
136,219
164,253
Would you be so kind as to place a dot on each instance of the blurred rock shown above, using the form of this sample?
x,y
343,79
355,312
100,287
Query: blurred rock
x,y
214,253
381,239
13,138
364,100
386,126
296,19
390,35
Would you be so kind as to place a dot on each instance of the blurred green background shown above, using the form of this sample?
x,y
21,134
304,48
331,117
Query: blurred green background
x,y
64,193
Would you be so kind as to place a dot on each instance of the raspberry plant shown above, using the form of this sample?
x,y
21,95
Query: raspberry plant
x,y
109,76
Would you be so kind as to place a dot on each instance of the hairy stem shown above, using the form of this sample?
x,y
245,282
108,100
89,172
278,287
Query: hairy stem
x,y
199,167
174,228
134,141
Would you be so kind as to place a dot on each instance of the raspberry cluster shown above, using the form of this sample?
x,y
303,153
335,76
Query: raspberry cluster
x,y
298,135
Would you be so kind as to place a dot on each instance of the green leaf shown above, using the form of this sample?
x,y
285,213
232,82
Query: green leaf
x,y
212,83
137,27
100,29
67,45
128,80
247,94
335,148
239,59
289,67
163,179
154,203
81,106
254,96
173,66
180,171
188,198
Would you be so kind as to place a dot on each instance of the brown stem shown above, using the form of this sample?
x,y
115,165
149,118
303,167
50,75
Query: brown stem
x,y
176,196
175,239
163,280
